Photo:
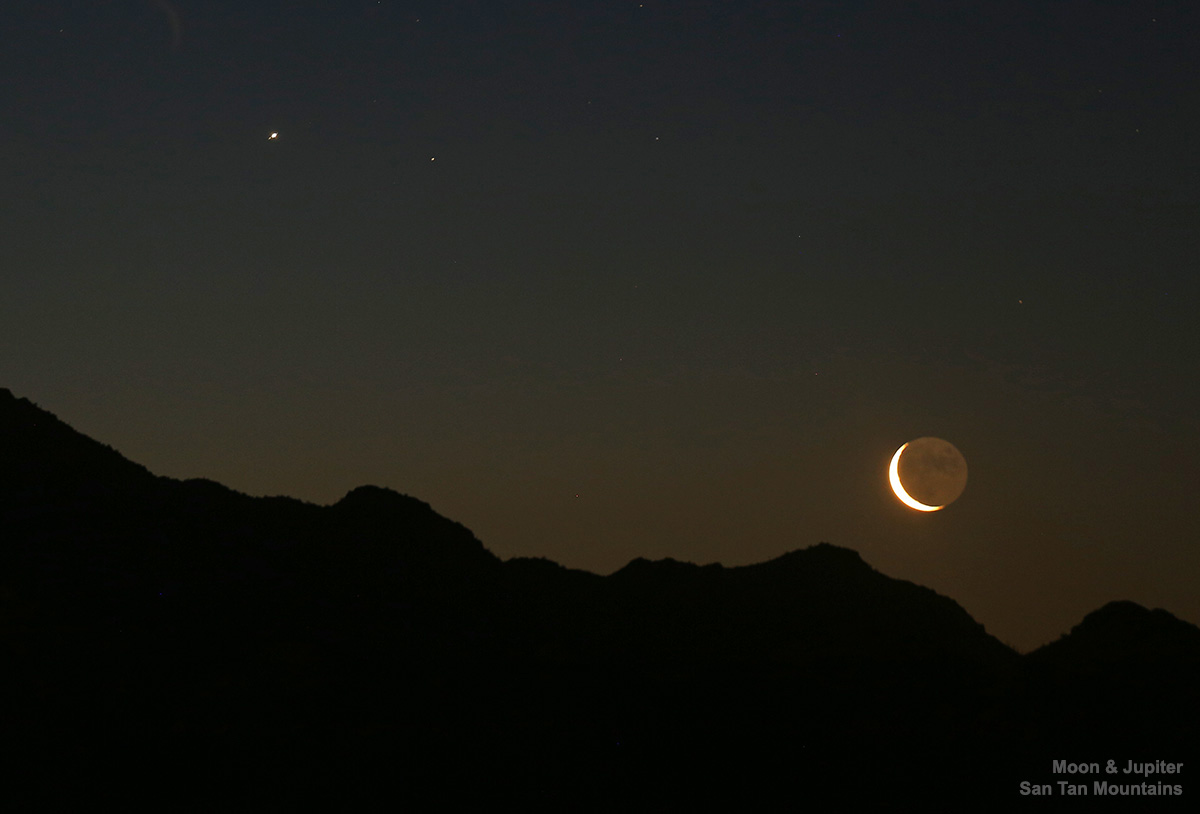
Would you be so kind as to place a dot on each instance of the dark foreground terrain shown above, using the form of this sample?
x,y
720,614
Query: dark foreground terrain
x,y
183,645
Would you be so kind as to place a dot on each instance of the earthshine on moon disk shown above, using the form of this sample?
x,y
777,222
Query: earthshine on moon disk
x,y
928,474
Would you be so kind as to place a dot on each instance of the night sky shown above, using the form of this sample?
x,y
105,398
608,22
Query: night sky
x,y
602,280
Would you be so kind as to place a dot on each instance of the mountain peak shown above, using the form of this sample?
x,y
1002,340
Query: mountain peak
x,y
1130,622
1117,610
389,518
665,566
1123,630
379,498
824,553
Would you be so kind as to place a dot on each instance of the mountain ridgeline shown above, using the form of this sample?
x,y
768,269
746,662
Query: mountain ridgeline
x,y
249,651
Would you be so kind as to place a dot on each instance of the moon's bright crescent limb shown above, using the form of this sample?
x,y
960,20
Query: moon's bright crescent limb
x,y
898,488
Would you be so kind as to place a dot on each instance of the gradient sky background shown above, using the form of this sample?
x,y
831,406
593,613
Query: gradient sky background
x,y
602,280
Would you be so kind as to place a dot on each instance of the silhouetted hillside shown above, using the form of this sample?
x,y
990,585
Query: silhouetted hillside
x,y
269,651
1138,667
1122,632
44,454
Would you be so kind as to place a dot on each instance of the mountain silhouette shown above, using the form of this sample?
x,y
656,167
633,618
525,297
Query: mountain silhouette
x,y
270,651
1138,666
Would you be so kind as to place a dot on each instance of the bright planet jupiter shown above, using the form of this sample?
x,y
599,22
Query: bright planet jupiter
x,y
928,474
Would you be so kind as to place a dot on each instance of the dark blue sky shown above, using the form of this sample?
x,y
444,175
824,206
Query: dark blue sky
x,y
704,265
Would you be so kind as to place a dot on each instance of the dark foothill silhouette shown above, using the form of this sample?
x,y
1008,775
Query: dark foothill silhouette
x,y
164,634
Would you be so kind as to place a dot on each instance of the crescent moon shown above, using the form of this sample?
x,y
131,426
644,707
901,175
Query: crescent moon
x,y
898,488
